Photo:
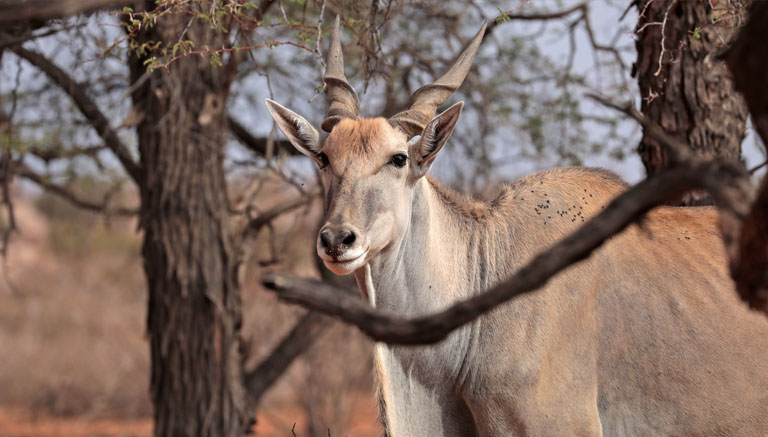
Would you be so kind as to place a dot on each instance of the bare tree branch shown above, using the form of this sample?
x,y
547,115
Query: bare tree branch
x,y
8,40
12,12
257,145
583,8
87,106
746,61
622,211
678,151
266,217
511,15
732,197
302,336
70,196
48,154
751,273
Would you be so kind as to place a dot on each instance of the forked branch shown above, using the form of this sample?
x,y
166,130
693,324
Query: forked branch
x,y
86,106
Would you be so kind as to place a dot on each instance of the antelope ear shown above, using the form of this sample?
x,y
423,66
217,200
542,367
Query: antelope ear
x,y
435,135
299,131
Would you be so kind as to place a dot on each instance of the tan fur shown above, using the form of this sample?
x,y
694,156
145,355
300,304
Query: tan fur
x,y
645,337
353,140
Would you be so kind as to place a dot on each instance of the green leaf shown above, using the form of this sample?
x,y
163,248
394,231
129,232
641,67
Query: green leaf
x,y
215,59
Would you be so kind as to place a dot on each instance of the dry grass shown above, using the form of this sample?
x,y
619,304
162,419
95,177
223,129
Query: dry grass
x,y
72,332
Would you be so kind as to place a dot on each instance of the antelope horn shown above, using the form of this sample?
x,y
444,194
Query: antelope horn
x,y
425,100
342,98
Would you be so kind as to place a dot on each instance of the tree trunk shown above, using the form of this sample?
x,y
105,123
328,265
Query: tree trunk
x,y
684,87
194,316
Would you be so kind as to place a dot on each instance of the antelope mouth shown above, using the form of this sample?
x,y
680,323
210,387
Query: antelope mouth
x,y
346,263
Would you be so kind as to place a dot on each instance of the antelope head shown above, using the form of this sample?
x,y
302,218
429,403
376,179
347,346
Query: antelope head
x,y
371,165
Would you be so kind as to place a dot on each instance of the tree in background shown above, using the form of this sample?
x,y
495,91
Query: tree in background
x,y
684,87
189,248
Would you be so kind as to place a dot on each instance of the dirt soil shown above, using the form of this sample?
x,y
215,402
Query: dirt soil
x,y
273,422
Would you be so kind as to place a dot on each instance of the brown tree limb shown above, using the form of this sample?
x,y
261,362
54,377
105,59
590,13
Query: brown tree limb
x,y
86,106
71,197
751,273
12,12
266,217
8,40
749,67
48,154
302,336
733,197
677,150
625,209
257,145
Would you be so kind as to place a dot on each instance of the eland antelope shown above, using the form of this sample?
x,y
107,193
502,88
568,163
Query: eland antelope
x,y
646,337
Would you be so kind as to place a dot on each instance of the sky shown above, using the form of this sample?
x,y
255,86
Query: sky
x,y
605,19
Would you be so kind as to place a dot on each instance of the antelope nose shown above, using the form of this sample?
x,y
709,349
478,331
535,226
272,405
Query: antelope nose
x,y
336,241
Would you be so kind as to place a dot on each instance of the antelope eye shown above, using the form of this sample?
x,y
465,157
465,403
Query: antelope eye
x,y
323,158
398,160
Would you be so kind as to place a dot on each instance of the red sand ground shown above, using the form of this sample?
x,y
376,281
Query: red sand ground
x,y
17,422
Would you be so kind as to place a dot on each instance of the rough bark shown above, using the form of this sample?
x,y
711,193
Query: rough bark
x,y
684,87
194,315
747,61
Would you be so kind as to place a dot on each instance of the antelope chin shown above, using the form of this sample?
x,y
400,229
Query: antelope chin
x,y
346,264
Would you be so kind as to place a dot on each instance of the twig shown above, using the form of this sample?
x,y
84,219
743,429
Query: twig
x,y
677,150
757,167
663,35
